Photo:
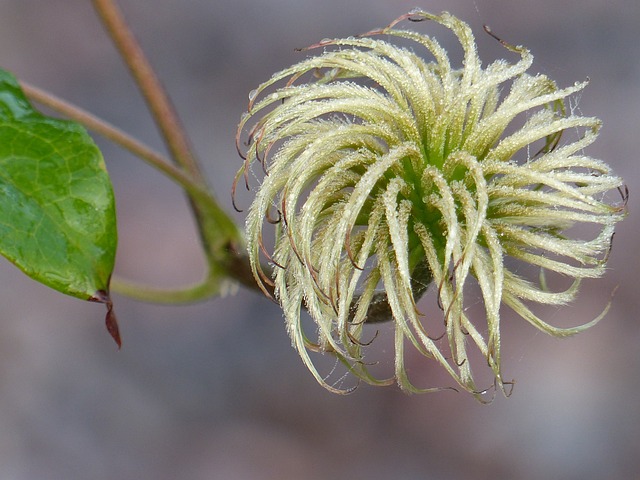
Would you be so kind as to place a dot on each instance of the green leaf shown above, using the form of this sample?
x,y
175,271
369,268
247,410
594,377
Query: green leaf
x,y
57,208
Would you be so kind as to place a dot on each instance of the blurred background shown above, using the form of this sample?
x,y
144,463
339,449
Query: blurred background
x,y
214,390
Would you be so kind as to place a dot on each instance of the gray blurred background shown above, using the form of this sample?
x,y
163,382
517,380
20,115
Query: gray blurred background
x,y
213,390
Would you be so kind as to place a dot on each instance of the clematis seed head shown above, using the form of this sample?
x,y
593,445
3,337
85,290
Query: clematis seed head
x,y
384,169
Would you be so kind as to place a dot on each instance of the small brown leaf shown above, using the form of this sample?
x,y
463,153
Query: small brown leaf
x,y
111,321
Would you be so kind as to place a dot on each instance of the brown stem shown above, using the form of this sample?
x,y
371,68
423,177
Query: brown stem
x,y
157,99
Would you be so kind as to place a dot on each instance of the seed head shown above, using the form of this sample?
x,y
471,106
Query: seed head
x,y
385,172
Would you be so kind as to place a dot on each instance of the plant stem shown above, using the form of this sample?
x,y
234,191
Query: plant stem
x,y
114,134
197,191
220,236
191,293
238,268
157,99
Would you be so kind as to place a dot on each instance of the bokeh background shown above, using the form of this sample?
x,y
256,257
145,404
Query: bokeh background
x,y
213,390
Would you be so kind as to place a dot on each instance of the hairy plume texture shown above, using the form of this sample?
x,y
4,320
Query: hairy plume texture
x,y
384,169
